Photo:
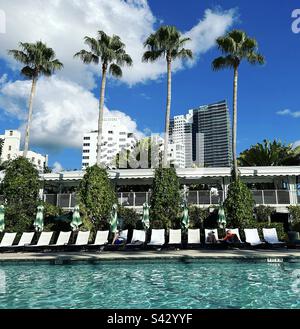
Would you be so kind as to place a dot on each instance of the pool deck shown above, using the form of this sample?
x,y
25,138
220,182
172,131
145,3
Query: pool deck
x,y
180,255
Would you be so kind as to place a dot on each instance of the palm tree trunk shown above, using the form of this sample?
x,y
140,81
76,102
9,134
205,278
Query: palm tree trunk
x,y
101,115
27,133
234,127
168,112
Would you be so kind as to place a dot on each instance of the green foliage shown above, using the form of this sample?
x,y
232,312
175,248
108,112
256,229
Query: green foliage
x,y
264,213
269,154
21,192
129,218
165,199
295,217
198,216
239,205
97,196
254,224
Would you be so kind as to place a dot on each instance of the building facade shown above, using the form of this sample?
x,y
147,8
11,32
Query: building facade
x,y
11,150
211,135
115,138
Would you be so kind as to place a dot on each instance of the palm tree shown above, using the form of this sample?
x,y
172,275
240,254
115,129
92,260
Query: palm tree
x,y
269,154
236,46
166,42
39,61
110,52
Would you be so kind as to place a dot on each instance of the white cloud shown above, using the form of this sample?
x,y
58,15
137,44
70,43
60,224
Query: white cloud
x,y
296,144
64,23
63,111
288,112
57,167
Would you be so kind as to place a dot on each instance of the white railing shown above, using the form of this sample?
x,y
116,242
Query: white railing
x,y
201,198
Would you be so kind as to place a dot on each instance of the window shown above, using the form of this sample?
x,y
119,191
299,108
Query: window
x,y
110,132
87,138
9,148
110,139
122,133
8,156
11,133
122,140
86,144
33,159
86,151
39,162
85,158
85,164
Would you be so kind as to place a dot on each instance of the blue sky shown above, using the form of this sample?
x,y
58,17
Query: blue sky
x,y
263,91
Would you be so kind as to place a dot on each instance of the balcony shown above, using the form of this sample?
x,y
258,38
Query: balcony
x,y
198,198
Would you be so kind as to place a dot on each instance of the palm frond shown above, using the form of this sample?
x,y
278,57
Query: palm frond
x,y
221,63
152,56
115,70
87,57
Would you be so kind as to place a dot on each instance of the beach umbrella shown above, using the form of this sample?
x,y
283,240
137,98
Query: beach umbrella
x,y
76,219
185,221
146,217
221,217
114,219
39,220
2,212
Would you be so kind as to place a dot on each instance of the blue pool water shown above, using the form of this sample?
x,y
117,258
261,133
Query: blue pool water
x,y
198,284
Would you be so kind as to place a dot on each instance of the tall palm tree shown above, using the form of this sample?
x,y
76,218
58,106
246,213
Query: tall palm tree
x,y
166,42
39,61
236,46
110,52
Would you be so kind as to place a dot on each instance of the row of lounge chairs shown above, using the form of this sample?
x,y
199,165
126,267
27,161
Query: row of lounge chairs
x,y
138,240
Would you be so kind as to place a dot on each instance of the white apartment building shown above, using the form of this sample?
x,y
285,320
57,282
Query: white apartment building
x,y
11,150
115,138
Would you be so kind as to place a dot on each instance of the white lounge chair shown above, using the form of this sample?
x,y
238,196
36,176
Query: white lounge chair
x,y
157,238
211,231
252,237
194,237
271,237
138,239
63,239
174,237
82,241
26,239
8,240
43,242
101,238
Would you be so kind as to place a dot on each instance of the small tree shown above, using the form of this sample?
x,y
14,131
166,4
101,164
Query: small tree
x,y
165,199
294,213
97,196
21,194
239,205
264,213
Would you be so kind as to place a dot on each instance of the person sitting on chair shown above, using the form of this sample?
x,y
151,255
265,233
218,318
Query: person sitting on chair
x,y
211,238
118,240
230,237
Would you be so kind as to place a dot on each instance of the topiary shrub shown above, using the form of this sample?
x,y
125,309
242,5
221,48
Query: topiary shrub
x,y
96,197
264,213
239,205
20,188
165,199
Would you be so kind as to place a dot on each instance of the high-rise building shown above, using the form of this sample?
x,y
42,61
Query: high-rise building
x,y
201,138
115,138
11,150
180,139
213,123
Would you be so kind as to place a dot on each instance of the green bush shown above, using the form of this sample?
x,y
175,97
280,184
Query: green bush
x,y
165,199
198,216
97,196
295,217
129,218
239,205
260,225
264,213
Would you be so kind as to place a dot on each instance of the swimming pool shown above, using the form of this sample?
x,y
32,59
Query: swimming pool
x,y
169,284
